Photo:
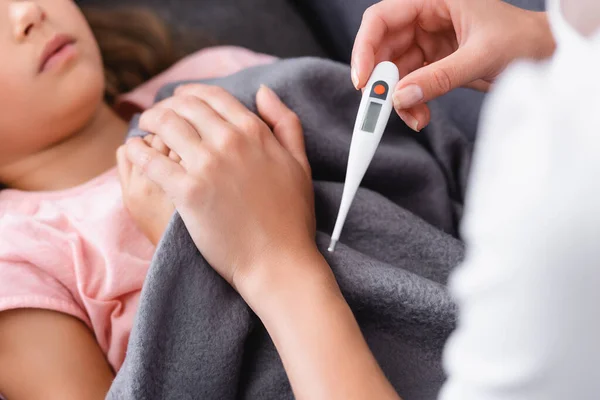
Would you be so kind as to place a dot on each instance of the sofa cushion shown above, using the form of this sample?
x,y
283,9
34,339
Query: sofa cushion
x,y
268,26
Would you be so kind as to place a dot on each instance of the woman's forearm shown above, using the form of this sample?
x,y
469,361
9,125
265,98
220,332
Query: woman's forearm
x,y
314,331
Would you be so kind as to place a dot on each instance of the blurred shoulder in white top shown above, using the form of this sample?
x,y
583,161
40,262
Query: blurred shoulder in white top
x,y
529,288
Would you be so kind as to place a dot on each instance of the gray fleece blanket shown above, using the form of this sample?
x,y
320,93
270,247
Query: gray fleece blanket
x,y
195,338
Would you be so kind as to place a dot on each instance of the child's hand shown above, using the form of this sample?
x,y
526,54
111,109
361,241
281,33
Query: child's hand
x,y
146,202
439,45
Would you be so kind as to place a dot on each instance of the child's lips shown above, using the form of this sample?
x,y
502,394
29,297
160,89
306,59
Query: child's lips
x,y
59,48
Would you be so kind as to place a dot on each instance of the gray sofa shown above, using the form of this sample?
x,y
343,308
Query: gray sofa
x,y
269,26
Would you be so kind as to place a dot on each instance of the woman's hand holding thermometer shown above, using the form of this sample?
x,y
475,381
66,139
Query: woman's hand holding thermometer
x,y
373,115
465,43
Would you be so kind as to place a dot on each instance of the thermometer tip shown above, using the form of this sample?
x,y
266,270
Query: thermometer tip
x,y
331,248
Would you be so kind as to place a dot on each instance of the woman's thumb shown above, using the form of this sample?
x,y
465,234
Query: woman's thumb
x,y
438,78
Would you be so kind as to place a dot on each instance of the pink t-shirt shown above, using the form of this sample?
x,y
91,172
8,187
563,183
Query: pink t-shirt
x,y
77,251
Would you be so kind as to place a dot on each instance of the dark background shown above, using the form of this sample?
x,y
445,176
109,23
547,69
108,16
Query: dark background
x,y
292,28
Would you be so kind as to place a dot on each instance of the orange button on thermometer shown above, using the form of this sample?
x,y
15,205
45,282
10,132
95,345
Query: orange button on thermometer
x,y
379,89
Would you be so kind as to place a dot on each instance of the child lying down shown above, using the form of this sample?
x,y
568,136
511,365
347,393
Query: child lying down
x,y
71,255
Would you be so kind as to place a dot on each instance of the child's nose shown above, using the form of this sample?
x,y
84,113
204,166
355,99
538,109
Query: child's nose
x,y
25,16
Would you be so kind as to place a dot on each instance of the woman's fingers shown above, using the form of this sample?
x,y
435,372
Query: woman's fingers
x,y
286,125
158,144
215,131
379,21
438,78
158,167
412,59
417,117
174,156
436,45
216,116
200,115
396,45
225,105
175,132
480,85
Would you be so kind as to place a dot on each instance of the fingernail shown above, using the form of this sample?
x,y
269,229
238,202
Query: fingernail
x,y
407,97
266,88
409,120
354,75
270,92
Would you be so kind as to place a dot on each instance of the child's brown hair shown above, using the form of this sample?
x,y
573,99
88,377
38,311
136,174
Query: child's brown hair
x,y
135,45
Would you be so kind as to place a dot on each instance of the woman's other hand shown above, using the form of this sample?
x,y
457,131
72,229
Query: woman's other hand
x,y
243,186
146,202
440,45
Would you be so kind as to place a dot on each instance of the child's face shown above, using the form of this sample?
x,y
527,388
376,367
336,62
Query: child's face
x,y
42,103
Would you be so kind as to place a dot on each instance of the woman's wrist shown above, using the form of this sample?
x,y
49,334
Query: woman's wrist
x,y
312,326
272,280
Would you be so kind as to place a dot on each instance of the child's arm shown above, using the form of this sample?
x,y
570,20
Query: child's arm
x,y
49,355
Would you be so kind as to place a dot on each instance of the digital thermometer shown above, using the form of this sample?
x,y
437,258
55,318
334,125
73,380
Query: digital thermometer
x,y
373,116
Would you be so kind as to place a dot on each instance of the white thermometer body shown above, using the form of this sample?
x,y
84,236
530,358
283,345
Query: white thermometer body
x,y
371,120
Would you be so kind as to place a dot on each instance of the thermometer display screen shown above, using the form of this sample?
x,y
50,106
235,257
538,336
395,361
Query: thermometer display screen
x,y
371,116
